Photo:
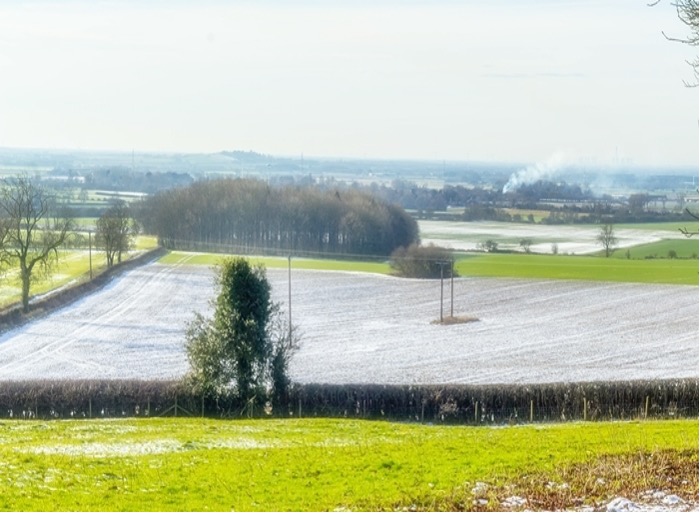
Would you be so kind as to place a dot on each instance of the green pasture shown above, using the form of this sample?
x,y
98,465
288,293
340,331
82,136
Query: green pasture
x,y
277,262
683,247
593,268
661,226
294,465
506,265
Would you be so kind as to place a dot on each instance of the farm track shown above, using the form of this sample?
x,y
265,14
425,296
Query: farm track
x,y
363,328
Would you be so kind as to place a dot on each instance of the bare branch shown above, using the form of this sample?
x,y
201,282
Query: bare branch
x,y
687,233
687,12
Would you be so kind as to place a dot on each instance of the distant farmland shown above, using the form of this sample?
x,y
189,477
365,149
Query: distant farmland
x,y
368,328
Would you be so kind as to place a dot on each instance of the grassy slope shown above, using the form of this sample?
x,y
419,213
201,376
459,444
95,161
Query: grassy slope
x,y
71,266
302,465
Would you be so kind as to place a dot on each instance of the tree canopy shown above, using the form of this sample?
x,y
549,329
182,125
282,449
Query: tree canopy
x,y
116,231
243,350
248,215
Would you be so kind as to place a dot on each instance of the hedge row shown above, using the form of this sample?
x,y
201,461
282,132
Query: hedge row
x,y
505,403
459,404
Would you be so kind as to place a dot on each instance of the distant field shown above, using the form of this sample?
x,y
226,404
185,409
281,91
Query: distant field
x,y
684,248
662,226
192,464
678,272
578,239
275,263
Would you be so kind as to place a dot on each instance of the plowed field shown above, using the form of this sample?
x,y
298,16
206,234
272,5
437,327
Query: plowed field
x,y
365,328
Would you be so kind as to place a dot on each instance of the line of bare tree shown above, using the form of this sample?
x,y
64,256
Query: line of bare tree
x,y
250,215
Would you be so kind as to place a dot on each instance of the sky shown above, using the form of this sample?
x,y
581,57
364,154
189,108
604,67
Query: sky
x,y
592,81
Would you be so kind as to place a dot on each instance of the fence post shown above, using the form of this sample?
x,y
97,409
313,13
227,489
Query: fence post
x,y
476,412
148,407
585,409
422,409
202,406
532,410
299,407
646,408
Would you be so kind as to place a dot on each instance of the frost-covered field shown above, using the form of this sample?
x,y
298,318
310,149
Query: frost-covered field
x,y
371,328
467,236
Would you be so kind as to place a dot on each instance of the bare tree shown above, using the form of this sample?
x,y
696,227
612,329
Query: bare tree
x,y
116,231
31,236
687,11
685,230
606,237
526,243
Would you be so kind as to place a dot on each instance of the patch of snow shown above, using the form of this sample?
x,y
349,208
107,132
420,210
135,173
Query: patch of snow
x,y
621,504
480,489
107,449
672,500
513,501
652,501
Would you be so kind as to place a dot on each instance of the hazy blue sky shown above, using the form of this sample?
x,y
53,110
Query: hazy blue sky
x,y
581,80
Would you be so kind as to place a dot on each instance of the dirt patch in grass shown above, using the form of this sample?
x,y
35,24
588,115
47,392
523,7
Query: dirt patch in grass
x,y
659,481
457,319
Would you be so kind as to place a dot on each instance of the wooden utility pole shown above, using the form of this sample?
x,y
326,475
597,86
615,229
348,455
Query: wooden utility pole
x,y
90,250
289,280
452,287
441,278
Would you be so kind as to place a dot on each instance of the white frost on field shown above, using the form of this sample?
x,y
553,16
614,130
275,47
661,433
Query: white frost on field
x,y
136,448
363,328
466,236
107,449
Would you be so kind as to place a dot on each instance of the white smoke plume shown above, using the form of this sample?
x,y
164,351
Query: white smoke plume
x,y
541,170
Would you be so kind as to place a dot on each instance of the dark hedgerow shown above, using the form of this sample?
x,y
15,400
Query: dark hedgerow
x,y
417,261
456,404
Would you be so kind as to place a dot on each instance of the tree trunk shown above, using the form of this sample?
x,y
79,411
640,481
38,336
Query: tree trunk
x,y
25,290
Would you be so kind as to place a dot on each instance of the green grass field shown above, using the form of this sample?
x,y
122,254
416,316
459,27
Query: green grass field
x,y
275,262
515,265
313,464
683,247
691,225
678,272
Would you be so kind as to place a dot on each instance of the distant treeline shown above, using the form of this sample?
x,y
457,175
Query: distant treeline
x,y
117,178
566,203
454,404
251,216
